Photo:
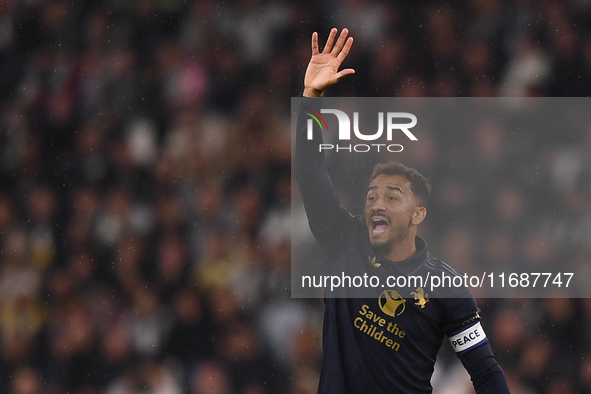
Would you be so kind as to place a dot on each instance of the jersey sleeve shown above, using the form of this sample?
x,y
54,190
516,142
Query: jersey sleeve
x,y
486,373
468,339
320,200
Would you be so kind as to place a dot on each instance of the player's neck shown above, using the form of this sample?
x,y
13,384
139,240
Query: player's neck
x,y
401,250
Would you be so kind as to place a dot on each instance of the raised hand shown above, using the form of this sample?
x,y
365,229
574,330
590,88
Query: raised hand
x,y
322,70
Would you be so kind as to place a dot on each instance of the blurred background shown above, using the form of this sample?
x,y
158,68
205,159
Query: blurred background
x,y
145,198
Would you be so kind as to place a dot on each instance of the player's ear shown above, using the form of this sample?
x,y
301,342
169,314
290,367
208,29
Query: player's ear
x,y
418,215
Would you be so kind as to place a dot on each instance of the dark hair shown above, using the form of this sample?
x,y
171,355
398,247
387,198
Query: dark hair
x,y
420,186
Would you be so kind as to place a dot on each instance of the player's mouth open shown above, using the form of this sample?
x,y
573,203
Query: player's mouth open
x,y
378,225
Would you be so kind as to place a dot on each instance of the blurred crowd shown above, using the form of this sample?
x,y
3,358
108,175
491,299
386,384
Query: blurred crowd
x,y
145,172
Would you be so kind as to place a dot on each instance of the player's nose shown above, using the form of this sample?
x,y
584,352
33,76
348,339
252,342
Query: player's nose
x,y
378,205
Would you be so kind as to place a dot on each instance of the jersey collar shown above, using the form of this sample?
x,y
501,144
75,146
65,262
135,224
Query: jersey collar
x,y
410,265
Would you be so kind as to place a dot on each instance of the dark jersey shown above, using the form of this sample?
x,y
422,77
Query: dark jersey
x,y
387,341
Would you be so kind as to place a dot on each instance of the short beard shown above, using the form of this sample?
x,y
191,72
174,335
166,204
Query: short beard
x,y
401,233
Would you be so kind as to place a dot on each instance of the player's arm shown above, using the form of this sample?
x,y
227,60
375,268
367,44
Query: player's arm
x,y
318,194
486,373
468,339
471,345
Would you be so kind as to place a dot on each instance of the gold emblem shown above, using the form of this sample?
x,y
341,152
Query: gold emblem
x,y
391,302
476,317
373,261
421,297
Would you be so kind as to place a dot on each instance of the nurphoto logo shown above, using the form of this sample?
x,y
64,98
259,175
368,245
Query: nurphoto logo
x,y
393,124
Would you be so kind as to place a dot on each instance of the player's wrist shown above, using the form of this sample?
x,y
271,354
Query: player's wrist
x,y
310,92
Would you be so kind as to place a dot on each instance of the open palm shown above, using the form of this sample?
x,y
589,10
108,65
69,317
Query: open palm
x,y
323,69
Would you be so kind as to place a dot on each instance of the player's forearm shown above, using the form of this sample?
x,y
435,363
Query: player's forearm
x,y
312,93
494,383
318,194
486,373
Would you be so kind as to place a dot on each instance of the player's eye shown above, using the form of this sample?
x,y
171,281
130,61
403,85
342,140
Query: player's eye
x,y
371,198
392,198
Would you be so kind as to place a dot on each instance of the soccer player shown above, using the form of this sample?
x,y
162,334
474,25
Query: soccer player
x,y
388,343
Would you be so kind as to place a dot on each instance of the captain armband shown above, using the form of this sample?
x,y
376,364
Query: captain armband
x,y
468,338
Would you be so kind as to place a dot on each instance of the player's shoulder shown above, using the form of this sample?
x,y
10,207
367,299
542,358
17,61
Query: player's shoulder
x,y
446,282
435,265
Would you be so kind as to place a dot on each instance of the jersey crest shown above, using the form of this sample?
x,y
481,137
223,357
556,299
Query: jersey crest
x,y
421,297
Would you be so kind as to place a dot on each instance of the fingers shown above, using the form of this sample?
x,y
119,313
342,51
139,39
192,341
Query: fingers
x,y
340,49
343,73
330,41
340,42
314,43
346,48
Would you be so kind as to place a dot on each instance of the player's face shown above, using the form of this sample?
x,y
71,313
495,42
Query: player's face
x,y
390,211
